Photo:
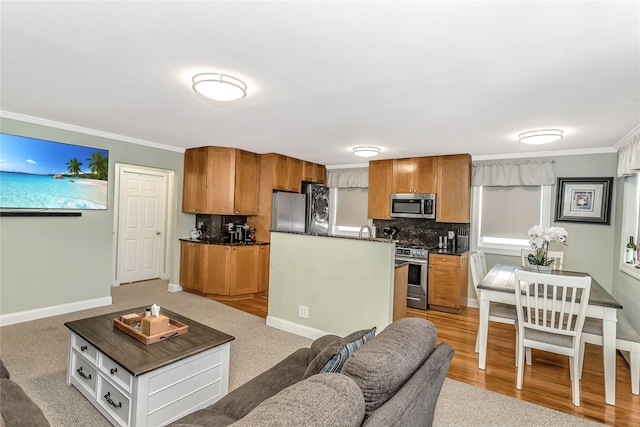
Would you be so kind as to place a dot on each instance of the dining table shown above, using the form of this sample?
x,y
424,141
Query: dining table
x,y
499,285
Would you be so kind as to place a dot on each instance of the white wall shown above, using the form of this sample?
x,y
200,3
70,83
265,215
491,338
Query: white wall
x,y
593,248
626,289
54,261
347,284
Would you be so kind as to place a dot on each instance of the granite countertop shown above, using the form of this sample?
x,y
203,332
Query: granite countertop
x,y
220,242
445,252
375,239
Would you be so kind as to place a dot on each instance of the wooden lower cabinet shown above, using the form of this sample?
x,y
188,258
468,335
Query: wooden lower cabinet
x,y
224,270
191,265
400,280
242,274
448,282
216,262
263,274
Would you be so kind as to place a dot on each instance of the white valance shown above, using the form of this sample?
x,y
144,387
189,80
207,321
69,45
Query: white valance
x,y
629,156
348,178
511,173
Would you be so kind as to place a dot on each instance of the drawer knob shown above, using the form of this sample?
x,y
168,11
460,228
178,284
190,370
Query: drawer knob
x,y
83,348
110,401
114,370
82,374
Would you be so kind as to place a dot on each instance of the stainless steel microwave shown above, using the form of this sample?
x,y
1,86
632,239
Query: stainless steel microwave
x,y
413,205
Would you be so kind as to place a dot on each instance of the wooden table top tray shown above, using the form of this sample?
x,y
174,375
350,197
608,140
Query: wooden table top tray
x,y
132,328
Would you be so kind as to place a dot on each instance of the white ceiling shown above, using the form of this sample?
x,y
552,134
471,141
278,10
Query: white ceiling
x,y
415,78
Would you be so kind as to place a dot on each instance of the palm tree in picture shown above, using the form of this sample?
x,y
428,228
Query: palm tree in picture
x,y
73,166
99,165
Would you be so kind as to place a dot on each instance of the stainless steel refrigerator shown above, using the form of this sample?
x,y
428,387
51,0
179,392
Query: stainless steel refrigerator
x,y
288,212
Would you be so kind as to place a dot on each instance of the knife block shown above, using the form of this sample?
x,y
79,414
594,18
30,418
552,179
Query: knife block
x,y
462,242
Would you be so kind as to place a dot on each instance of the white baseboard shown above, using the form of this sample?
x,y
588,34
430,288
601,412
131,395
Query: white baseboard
x,y
174,287
39,313
473,303
295,328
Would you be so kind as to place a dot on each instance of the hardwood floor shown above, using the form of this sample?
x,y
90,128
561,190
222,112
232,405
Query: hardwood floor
x,y
546,381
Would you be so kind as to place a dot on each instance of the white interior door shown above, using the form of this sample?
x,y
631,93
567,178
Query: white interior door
x,y
141,224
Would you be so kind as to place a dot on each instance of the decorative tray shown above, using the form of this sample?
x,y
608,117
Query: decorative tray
x,y
132,325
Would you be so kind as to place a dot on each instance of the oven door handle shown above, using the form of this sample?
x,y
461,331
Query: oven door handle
x,y
412,260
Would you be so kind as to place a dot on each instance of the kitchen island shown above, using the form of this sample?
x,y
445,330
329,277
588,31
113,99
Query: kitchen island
x,y
340,284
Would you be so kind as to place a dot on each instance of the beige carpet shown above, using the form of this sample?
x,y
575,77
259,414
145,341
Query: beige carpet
x,y
35,354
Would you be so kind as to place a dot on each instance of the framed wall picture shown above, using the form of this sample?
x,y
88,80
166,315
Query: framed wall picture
x,y
584,200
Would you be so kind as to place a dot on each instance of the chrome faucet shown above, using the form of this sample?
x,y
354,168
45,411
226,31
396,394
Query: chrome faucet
x,y
362,229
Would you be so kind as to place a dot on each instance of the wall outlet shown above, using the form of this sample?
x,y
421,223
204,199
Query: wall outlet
x,y
303,311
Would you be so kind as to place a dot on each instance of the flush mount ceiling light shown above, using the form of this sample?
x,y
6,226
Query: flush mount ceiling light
x,y
366,151
219,87
541,136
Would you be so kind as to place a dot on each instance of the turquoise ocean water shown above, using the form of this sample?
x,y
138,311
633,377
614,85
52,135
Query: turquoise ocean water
x,y
20,190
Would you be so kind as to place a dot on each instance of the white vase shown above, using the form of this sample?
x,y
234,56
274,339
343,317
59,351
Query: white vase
x,y
540,268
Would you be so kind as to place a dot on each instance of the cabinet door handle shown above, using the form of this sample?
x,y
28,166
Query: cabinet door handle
x,y
83,348
113,370
82,374
109,400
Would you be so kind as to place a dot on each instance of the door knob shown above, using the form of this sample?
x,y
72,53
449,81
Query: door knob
x,y
157,233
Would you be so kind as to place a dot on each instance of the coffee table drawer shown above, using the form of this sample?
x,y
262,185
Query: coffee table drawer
x,y
115,372
84,373
113,401
83,347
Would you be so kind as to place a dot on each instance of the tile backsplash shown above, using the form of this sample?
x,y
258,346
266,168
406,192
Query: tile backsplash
x,y
213,226
413,231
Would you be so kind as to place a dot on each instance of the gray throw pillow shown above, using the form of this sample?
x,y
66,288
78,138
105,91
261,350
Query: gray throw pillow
x,y
333,356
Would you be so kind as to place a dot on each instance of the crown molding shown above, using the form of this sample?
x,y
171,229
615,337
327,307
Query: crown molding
x,y
607,150
348,166
626,138
88,131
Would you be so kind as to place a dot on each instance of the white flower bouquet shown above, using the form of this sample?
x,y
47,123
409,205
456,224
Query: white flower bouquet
x,y
539,239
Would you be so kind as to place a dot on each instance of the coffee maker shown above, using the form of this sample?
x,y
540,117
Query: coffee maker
x,y
241,234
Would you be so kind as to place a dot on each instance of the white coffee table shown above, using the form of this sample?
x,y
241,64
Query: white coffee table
x,y
133,384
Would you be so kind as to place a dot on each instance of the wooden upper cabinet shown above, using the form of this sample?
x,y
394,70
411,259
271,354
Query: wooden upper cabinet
x,y
194,183
247,182
287,173
380,178
415,175
313,172
453,200
220,180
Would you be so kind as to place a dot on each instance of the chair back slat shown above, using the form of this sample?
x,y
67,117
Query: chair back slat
x,y
551,302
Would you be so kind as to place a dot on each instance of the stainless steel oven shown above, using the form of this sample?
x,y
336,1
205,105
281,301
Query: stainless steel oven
x,y
418,259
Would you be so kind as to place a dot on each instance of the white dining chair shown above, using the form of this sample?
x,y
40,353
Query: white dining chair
x,y
482,262
498,312
627,339
558,258
551,311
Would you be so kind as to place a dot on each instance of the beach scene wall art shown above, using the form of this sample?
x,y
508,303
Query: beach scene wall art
x,y
40,174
